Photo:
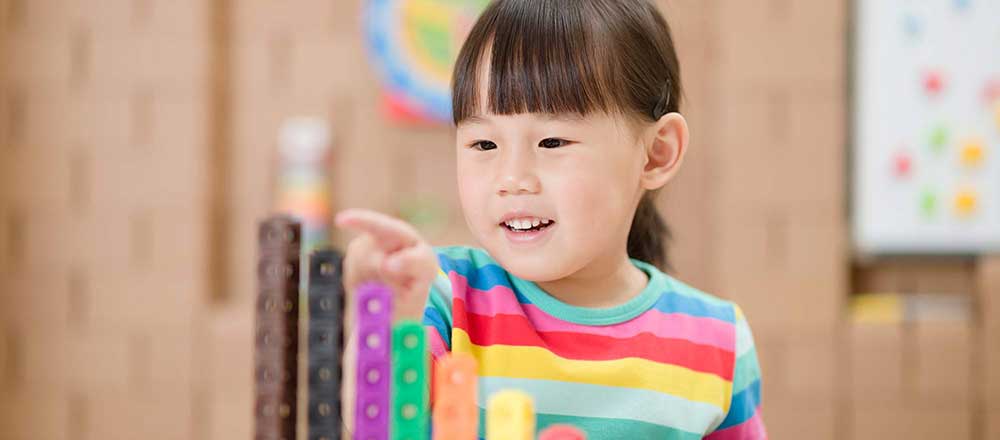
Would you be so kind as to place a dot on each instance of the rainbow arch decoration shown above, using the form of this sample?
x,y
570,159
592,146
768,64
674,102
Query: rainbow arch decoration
x,y
413,45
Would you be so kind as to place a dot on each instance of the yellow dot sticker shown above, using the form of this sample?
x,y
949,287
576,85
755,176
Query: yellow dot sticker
x,y
966,202
973,153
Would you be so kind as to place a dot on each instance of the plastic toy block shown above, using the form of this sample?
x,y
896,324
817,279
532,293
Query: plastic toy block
x,y
409,381
277,319
510,415
456,416
562,432
374,310
326,344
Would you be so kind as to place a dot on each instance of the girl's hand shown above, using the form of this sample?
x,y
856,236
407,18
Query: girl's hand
x,y
389,251
392,252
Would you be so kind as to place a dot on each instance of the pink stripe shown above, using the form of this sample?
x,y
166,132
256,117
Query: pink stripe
x,y
460,284
500,300
752,429
435,344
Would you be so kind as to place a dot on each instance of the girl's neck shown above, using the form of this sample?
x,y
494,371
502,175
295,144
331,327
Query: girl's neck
x,y
599,285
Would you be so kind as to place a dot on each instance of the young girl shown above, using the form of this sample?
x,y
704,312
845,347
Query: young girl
x,y
567,126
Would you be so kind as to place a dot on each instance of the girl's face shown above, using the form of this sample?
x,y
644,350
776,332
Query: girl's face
x,y
548,195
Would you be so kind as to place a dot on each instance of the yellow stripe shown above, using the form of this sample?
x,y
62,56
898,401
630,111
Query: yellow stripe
x,y
539,363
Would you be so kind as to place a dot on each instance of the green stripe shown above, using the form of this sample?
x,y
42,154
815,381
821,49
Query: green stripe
x,y
617,403
603,428
744,337
747,370
440,297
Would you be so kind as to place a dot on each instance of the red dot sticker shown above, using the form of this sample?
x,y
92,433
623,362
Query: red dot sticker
x,y
902,165
933,83
991,91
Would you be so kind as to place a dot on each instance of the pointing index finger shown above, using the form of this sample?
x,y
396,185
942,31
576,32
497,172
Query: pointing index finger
x,y
389,233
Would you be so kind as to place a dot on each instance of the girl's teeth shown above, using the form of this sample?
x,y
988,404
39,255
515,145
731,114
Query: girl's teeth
x,y
524,224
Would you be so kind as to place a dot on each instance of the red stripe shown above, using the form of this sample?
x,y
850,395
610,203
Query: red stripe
x,y
516,330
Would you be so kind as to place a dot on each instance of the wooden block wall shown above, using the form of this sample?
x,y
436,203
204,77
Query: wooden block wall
x,y
779,244
137,153
103,111
987,345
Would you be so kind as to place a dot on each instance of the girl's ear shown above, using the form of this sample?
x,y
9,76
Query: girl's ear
x,y
666,145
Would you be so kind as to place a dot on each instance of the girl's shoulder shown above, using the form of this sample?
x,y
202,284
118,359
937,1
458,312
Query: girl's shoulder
x,y
683,297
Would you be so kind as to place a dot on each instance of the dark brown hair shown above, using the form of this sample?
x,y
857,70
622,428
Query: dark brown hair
x,y
576,56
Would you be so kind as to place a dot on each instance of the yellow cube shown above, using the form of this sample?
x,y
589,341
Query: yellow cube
x,y
510,415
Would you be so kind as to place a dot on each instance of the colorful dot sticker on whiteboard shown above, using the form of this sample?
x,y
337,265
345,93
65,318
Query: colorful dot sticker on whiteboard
x,y
413,45
925,79
902,164
966,202
928,203
934,83
938,138
972,153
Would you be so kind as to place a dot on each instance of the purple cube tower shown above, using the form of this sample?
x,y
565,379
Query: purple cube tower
x,y
371,414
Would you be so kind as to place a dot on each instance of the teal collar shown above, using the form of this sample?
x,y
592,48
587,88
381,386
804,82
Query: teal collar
x,y
656,285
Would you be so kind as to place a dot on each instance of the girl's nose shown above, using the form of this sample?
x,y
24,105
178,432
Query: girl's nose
x,y
518,177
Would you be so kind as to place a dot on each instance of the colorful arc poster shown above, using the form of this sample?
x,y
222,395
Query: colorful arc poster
x,y
413,45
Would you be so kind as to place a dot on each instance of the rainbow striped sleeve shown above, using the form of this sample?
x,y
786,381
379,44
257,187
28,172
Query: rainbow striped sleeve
x,y
743,421
437,314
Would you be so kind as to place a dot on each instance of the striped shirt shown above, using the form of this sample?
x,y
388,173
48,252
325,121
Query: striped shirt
x,y
671,363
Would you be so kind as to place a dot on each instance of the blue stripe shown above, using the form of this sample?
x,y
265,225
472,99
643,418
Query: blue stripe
x,y
483,278
433,317
744,406
673,302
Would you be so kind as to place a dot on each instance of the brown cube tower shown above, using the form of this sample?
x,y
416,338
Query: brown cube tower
x,y
277,328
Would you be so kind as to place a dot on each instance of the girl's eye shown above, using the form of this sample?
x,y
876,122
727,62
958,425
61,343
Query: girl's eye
x,y
484,145
553,143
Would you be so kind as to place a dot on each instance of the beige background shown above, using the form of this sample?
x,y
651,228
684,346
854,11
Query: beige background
x,y
136,156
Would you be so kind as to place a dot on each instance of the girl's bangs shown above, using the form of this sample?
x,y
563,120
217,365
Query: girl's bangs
x,y
534,61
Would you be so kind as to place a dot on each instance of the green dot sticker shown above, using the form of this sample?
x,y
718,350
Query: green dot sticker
x,y
928,203
938,138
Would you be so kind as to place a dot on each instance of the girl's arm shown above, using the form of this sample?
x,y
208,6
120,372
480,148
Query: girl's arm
x,y
743,422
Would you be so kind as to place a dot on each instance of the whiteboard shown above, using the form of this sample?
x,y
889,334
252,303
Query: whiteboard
x,y
926,140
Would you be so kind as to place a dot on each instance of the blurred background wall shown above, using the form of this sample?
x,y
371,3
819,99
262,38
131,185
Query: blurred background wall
x,y
138,152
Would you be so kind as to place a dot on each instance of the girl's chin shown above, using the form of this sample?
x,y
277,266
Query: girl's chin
x,y
538,266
